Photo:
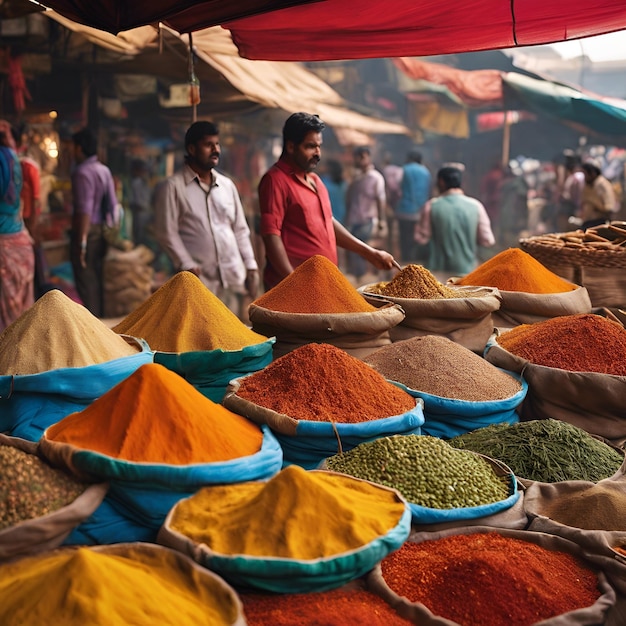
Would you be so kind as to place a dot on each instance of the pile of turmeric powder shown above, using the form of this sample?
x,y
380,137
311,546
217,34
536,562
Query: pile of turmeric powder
x,y
156,416
316,286
298,514
185,316
516,270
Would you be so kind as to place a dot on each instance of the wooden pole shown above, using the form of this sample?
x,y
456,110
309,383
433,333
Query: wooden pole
x,y
506,138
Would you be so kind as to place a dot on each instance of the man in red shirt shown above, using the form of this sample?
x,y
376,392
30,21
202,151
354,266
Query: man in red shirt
x,y
296,216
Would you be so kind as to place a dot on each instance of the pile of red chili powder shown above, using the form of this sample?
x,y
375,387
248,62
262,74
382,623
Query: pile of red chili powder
x,y
339,607
487,579
578,343
321,383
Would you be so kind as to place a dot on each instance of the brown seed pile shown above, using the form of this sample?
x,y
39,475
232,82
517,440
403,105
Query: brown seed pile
x,y
415,281
441,367
30,488
57,332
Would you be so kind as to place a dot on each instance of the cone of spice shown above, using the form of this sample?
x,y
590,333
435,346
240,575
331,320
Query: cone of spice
x,y
56,332
183,315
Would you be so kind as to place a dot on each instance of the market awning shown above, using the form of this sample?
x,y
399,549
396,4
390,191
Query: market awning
x,y
589,112
353,29
284,85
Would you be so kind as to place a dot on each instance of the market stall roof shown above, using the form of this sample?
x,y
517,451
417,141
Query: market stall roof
x,y
351,29
284,85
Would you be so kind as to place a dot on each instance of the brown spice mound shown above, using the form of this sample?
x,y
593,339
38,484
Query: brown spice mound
x,y
321,383
183,315
57,332
415,281
439,366
584,342
316,286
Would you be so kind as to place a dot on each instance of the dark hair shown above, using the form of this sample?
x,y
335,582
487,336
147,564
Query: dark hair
x,y
414,156
360,150
451,177
86,141
199,130
335,170
299,125
591,168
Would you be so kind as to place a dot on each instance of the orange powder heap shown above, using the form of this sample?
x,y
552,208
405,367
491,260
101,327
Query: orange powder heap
x,y
322,383
156,416
316,286
516,270
184,316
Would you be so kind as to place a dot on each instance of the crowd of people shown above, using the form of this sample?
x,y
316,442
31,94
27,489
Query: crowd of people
x,y
364,218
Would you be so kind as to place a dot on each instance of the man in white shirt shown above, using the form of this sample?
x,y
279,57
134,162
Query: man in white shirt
x,y
201,225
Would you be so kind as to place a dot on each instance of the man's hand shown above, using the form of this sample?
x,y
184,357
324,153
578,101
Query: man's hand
x,y
380,259
252,283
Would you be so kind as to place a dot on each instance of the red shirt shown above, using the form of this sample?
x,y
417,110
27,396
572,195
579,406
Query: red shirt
x,y
30,188
301,217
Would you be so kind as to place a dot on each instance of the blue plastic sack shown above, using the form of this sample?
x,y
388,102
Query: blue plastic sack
x,y
31,403
316,441
210,371
449,417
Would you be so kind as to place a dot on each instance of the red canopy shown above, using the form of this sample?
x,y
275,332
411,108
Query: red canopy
x,y
353,29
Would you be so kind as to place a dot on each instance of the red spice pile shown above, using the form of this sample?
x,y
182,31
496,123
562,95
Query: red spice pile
x,y
321,383
487,579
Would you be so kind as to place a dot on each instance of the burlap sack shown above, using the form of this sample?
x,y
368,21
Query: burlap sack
x,y
467,321
359,334
418,613
606,285
589,400
49,531
517,307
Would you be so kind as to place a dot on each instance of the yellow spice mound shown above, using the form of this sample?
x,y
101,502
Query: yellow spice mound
x,y
516,270
156,416
57,332
85,586
297,514
316,286
183,315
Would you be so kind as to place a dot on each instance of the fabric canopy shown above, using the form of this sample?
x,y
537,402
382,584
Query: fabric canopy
x,y
115,16
353,29
566,104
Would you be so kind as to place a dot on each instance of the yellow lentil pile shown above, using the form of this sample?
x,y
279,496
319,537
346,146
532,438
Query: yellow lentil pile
x,y
415,281
316,286
57,332
76,587
298,514
156,416
184,316
441,367
31,488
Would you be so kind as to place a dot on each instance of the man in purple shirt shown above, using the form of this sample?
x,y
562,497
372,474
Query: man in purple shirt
x,y
94,201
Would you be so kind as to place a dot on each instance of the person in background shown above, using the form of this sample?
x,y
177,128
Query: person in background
x,y
571,193
17,260
415,191
337,186
598,200
296,215
366,203
455,225
201,225
491,193
94,200
140,200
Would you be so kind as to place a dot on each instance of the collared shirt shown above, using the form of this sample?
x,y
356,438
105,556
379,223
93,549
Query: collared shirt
x,y
300,216
455,224
598,199
204,226
365,193
90,179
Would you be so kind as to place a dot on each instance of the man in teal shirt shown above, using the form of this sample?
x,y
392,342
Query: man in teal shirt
x,y
455,225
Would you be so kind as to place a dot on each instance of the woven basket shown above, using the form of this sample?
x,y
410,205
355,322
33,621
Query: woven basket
x,y
562,255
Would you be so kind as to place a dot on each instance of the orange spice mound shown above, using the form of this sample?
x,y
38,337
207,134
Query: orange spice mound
x,y
183,315
584,342
516,270
156,416
316,286
321,383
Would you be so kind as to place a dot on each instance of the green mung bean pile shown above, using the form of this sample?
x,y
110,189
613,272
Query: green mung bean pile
x,y
546,451
426,470
30,488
